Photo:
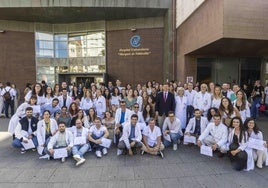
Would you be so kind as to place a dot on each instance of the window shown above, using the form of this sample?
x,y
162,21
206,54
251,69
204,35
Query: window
x,y
44,45
61,46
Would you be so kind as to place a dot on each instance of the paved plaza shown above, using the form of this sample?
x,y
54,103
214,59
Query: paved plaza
x,y
182,168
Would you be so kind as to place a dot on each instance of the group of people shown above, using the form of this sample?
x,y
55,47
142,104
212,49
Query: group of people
x,y
146,118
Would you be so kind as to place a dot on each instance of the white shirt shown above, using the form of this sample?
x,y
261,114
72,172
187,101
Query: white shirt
x,y
152,135
98,132
218,132
190,96
174,127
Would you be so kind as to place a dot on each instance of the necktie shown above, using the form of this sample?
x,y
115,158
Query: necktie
x,y
165,96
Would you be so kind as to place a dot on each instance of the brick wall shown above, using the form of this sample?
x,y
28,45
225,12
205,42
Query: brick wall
x,y
17,58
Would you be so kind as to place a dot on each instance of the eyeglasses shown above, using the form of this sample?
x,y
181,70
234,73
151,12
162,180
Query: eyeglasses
x,y
136,107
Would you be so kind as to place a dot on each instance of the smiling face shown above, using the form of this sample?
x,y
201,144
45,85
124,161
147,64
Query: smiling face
x,y
235,123
251,124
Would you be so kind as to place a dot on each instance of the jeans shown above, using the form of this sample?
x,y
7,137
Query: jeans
x,y
80,149
174,139
96,147
17,143
254,111
7,104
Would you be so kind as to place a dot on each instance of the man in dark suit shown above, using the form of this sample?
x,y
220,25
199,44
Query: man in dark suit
x,y
165,102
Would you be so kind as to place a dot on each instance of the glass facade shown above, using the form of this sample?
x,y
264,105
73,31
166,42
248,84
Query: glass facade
x,y
74,53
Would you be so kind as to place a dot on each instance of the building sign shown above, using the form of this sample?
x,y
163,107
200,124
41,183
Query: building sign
x,y
135,42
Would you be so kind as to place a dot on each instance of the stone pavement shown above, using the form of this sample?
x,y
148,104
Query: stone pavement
x,y
182,168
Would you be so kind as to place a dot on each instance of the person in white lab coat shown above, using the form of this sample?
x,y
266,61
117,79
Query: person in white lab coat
x,y
196,125
253,131
100,104
215,135
62,139
237,145
46,128
181,107
131,137
202,100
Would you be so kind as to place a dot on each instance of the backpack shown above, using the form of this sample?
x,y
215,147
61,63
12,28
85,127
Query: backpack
x,y
7,95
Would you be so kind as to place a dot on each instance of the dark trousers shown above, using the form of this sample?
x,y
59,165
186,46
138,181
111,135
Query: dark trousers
x,y
96,147
239,161
9,103
189,113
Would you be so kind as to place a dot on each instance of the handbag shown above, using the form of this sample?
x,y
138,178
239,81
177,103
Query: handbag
x,y
262,108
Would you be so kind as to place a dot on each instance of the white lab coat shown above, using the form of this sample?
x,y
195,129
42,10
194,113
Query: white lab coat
x,y
20,113
219,133
244,113
69,100
86,104
180,110
190,96
126,134
202,102
191,125
117,117
41,130
69,139
100,106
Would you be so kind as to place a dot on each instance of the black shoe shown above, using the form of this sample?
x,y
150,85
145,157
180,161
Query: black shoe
x,y
161,154
220,155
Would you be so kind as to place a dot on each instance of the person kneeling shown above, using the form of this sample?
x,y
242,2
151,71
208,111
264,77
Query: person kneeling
x,y
172,130
152,139
215,135
63,139
131,138
81,146
96,133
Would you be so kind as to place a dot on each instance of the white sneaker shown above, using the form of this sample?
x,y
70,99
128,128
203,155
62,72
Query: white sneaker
x,y
119,152
22,150
82,160
63,159
77,158
104,151
98,154
161,154
175,147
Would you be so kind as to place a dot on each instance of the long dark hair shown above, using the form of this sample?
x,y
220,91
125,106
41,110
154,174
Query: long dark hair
x,y
256,129
209,115
242,131
230,107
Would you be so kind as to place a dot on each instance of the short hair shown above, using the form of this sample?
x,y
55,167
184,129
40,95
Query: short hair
x,y
97,118
29,109
55,99
197,109
134,116
171,112
62,122
151,119
217,115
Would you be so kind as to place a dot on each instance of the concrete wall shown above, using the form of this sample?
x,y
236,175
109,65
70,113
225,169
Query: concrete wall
x,y
185,8
86,3
246,19
17,59
135,68
200,29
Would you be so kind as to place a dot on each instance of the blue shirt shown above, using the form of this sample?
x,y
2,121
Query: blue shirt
x,y
132,132
122,119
